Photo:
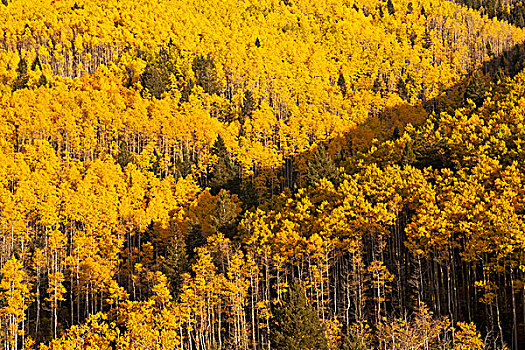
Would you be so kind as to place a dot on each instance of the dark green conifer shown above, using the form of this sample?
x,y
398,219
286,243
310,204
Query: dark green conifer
x,y
225,215
176,261
154,81
402,88
408,155
206,75
22,79
224,174
296,324
475,89
248,104
124,156
36,63
342,84
322,166
395,133
390,7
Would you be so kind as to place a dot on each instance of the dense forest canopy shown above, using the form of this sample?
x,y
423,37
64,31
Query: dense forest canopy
x,y
269,174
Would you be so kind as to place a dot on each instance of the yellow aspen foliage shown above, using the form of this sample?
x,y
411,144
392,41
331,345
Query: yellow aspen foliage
x,y
161,292
14,300
95,333
467,337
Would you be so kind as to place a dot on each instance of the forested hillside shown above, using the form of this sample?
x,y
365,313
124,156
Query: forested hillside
x,y
296,174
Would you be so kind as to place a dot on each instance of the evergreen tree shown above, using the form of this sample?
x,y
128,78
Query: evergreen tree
x,y
402,88
154,81
248,195
390,7
124,156
296,324
194,239
408,155
22,79
42,81
475,89
257,42
176,262
186,91
159,70
224,218
36,63
248,105
322,166
206,75
395,133
225,174
342,84
353,340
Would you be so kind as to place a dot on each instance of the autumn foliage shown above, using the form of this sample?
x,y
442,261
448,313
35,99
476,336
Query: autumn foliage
x,y
181,174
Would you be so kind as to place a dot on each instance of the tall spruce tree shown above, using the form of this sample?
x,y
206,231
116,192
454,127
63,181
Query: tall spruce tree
x,y
206,74
342,84
296,324
322,166
225,174
22,78
475,89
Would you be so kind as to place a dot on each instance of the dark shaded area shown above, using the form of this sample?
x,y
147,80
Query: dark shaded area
x,y
498,9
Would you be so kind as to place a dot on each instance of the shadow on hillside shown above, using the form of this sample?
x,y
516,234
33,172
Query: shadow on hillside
x,y
386,125
390,123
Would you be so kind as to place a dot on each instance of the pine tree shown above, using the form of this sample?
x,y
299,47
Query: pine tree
x,y
322,166
248,105
225,216
42,81
224,175
408,155
22,79
206,75
402,88
36,63
176,262
342,84
390,7
154,81
475,89
296,324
